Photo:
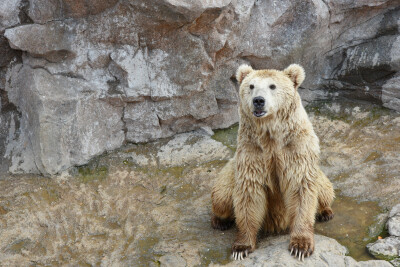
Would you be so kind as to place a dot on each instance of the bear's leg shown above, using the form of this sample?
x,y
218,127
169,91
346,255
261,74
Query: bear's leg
x,y
221,196
250,204
302,204
249,201
326,195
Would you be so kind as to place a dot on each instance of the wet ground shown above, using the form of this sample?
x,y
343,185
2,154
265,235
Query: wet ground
x,y
122,210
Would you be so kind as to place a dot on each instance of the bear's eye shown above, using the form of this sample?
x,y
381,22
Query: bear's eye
x,y
251,86
272,86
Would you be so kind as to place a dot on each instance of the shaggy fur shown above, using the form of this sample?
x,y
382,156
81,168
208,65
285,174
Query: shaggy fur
x,y
274,180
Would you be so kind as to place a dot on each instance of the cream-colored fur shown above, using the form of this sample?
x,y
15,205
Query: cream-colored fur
x,y
274,180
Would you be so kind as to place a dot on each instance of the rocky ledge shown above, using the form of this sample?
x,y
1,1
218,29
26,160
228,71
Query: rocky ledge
x,y
389,247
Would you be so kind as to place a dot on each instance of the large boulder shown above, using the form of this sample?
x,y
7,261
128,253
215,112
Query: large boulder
x,y
65,122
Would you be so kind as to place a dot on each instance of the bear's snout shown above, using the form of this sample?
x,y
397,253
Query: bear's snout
x,y
259,102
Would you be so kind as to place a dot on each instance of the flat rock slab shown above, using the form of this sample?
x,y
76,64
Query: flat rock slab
x,y
183,149
328,252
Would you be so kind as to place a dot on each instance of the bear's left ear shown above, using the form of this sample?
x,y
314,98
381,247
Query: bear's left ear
x,y
242,72
296,74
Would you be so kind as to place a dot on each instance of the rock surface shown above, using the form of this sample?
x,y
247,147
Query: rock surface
x,y
168,67
328,252
393,225
389,247
126,208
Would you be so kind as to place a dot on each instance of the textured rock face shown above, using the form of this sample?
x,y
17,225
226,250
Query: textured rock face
x,y
151,69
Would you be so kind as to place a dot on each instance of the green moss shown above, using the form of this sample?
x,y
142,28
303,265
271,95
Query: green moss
x,y
90,173
383,257
374,114
227,136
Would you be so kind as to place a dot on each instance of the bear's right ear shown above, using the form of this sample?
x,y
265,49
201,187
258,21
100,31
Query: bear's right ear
x,y
242,72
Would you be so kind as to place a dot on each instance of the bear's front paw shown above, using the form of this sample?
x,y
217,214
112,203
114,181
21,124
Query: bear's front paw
x,y
239,252
221,224
301,247
325,215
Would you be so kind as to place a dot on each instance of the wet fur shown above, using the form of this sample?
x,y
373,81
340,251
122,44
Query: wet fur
x,y
274,180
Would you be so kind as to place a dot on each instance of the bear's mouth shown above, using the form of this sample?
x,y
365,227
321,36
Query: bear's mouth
x,y
259,113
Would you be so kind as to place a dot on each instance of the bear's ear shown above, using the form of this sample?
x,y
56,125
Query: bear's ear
x,y
296,74
242,72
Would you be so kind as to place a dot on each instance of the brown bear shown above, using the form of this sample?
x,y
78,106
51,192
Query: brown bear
x,y
274,180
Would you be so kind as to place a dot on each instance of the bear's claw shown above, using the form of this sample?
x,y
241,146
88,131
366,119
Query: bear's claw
x,y
240,252
301,249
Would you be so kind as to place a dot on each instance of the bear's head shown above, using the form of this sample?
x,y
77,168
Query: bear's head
x,y
265,92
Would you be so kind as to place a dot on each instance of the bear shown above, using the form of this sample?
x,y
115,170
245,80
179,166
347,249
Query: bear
x,y
274,182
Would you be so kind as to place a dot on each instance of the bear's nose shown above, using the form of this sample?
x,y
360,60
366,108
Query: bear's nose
x,y
258,102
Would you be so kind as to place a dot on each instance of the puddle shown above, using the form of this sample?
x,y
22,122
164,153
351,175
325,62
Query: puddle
x,y
351,224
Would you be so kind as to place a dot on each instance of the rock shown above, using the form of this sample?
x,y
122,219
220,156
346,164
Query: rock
x,y
393,225
172,260
328,252
52,41
175,60
357,69
9,13
134,65
188,148
396,262
391,93
141,123
6,53
395,210
387,248
41,11
378,226
67,123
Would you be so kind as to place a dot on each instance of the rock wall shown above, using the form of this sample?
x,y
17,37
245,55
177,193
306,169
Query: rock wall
x,y
81,77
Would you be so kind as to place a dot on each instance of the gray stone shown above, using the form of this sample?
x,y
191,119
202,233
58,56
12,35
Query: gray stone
x,y
189,148
395,210
41,11
67,124
141,122
328,252
387,248
391,93
378,226
53,41
171,260
9,13
393,225
134,65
